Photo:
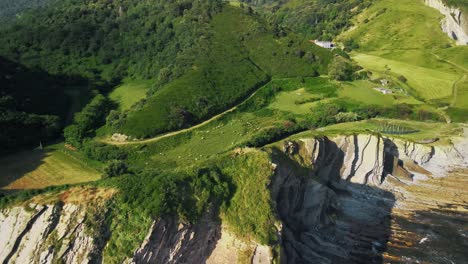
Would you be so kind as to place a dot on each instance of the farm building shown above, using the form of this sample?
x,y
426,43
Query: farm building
x,y
324,44
383,90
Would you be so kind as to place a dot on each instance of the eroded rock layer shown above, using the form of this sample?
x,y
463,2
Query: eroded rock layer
x,y
345,199
45,233
455,23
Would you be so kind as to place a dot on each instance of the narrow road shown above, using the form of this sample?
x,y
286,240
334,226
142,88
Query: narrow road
x,y
170,134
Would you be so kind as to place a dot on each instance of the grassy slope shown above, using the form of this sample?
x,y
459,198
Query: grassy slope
x,y
415,41
426,130
458,56
130,92
427,83
55,165
406,24
211,140
249,213
241,54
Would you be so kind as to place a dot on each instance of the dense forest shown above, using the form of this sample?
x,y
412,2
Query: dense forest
x,y
106,40
320,19
34,105
9,9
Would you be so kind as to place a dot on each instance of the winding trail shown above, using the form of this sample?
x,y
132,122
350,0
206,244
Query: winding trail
x,y
174,133
455,89
455,84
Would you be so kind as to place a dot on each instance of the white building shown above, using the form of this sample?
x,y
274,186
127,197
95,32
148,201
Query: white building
x,y
383,90
324,44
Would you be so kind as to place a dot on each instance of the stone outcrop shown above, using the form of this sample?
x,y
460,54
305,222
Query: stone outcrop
x,y
455,23
44,234
172,242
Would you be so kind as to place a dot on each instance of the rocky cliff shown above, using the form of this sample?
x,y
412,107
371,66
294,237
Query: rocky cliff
x,y
336,196
455,23
46,233
341,199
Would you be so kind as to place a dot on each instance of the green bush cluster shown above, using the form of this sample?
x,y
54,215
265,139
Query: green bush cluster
x,y
342,69
115,168
102,152
339,111
272,134
87,121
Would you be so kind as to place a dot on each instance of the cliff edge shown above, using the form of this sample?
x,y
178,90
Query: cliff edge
x,y
455,23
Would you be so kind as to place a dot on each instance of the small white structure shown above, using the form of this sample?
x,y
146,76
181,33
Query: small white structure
x,y
385,82
383,90
324,44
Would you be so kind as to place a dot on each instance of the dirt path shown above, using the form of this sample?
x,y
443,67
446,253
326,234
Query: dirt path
x,y
449,62
170,134
455,84
455,89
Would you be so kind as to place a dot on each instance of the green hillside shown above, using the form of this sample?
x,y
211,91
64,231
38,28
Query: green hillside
x,y
403,38
240,55
208,91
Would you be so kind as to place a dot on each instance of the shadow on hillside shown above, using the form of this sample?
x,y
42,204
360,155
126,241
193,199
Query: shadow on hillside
x,y
327,219
13,167
26,91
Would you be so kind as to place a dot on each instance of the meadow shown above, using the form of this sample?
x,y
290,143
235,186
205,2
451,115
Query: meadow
x,y
419,51
427,83
423,130
283,104
130,92
54,165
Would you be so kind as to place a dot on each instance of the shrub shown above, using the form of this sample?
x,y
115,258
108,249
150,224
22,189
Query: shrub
x,y
103,152
74,135
350,44
272,134
324,114
87,121
402,79
341,69
346,117
115,168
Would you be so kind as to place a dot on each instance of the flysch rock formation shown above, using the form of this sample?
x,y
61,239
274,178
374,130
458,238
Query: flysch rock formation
x,y
169,241
351,199
44,233
341,199
455,23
